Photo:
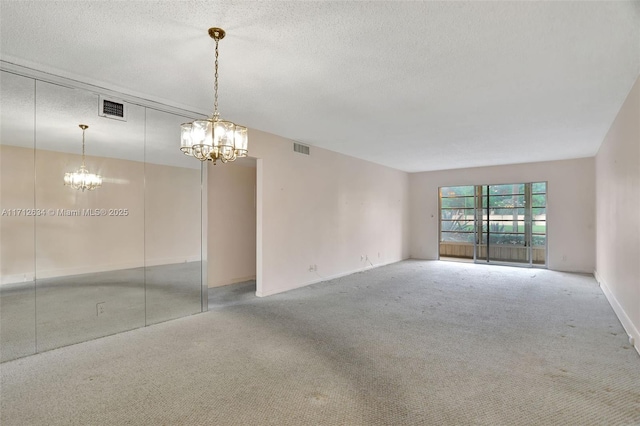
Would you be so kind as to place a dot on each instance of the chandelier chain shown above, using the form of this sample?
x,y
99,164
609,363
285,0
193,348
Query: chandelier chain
x,y
83,130
215,86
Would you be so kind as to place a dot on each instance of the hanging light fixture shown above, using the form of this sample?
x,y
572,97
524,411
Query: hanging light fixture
x,y
81,179
214,139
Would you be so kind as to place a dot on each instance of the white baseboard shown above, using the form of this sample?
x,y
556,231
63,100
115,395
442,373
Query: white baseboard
x,y
326,278
628,326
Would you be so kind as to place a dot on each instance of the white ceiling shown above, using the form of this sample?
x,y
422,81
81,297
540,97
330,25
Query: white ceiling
x,y
412,85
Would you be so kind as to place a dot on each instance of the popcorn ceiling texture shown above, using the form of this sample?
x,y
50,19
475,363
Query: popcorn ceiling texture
x,y
414,85
413,343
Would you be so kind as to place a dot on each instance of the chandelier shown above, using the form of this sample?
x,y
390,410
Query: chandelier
x,y
214,139
81,179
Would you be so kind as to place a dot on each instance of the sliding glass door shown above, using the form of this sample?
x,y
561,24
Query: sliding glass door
x,y
503,223
494,223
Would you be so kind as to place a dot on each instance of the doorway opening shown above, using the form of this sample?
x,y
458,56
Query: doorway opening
x,y
500,224
232,231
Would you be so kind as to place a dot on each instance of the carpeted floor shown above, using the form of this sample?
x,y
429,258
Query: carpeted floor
x,y
414,343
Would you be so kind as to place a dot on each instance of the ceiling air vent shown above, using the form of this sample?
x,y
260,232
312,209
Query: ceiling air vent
x,y
302,149
112,108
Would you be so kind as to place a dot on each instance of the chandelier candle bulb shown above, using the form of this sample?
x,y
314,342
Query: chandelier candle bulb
x,y
214,139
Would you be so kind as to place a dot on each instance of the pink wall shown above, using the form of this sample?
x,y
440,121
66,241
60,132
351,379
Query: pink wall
x,y
232,223
570,210
618,214
336,212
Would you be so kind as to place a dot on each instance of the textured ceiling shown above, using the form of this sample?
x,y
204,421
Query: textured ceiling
x,y
413,85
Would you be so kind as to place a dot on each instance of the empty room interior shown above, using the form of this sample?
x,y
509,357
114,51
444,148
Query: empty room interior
x,y
319,213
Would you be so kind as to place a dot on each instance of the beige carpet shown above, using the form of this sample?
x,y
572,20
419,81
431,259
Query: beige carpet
x,y
414,343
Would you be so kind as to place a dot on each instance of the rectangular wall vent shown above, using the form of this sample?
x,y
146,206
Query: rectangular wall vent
x,y
302,149
112,108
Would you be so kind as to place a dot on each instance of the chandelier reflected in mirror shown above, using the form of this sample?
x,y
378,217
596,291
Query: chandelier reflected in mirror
x,y
81,179
214,139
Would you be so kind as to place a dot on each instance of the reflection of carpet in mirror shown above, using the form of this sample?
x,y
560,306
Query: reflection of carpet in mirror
x,y
77,308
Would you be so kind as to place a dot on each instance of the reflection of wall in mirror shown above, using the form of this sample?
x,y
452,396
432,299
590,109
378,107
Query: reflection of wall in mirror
x,y
17,179
70,241
172,215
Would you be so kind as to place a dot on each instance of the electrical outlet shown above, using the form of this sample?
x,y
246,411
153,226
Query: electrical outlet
x,y
99,308
564,258
311,269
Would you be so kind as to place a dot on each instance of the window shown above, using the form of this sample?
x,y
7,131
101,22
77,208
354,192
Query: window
x,y
494,223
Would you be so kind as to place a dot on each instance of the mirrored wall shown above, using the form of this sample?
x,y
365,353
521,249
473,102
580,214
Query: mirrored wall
x,y
80,264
